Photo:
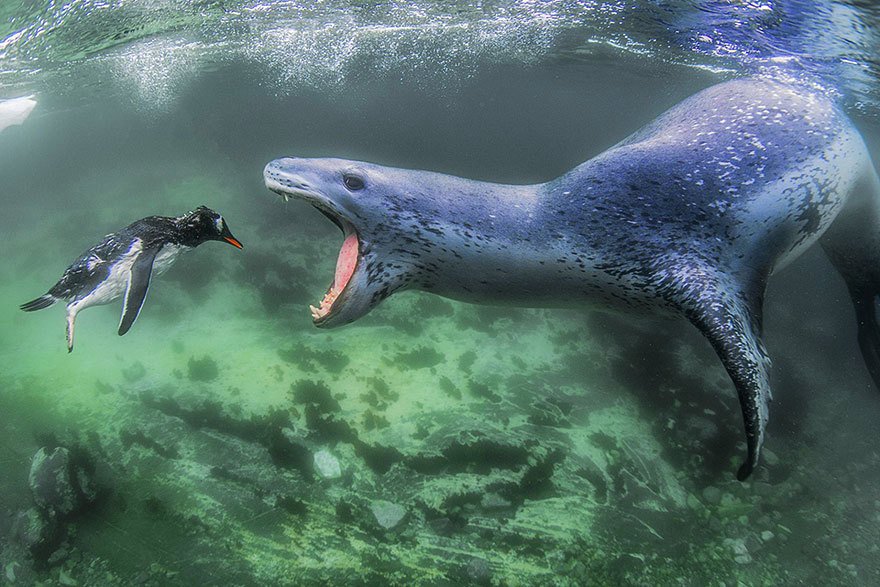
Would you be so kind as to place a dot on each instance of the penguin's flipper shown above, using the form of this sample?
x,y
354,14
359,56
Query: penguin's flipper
x,y
138,284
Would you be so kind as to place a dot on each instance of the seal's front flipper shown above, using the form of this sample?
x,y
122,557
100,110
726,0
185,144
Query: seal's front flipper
x,y
138,284
731,319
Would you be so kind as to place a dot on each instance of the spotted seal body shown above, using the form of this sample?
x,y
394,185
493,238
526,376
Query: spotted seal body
x,y
688,216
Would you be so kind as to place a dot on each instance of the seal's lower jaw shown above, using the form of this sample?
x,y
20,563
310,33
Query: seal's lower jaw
x,y
341,289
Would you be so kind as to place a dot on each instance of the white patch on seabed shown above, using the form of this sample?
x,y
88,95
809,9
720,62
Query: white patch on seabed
x,y
16,111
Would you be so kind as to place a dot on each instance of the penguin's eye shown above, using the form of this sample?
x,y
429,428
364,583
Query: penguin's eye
x,y
353,182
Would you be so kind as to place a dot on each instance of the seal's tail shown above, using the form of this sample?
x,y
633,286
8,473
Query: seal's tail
x,y
40,303
868,332
853,245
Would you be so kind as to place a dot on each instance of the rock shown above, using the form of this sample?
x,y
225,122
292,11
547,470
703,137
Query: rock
x,y
493,501
479,571
59,556
10,571
327,465
740,551
50,481
65,481
762,489
34,531
767,535
204,369
627,563
712,495
134,372
65,579
19,569
701,429
770,458
728,500
86,484
692,502
387,514
291,435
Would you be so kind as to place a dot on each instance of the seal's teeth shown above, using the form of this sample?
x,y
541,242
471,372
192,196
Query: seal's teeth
x,y
326,304
329,297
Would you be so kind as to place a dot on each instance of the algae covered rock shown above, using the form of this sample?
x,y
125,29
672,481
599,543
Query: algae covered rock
x,y
64,481
33,530
479,571
203,369
388,515
51,483
327,465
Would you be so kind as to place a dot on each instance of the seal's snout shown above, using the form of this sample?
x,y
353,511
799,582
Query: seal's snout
x,y
279,178
274,169
278,165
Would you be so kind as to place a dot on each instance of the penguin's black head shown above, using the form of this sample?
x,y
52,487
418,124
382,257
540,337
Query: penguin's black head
x,y
203,224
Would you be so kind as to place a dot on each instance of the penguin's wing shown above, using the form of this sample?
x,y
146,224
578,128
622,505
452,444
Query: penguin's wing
x,y
138,284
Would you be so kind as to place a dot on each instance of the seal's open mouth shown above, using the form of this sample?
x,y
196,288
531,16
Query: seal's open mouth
x,y
347,261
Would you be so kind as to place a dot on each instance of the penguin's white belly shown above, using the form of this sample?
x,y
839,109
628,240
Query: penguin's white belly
x,y
166,257
116,283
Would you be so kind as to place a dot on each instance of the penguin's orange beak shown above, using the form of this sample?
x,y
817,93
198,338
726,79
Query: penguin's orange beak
x,y
232,241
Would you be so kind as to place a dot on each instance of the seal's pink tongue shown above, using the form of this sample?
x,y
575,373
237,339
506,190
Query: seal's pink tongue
x,y
346,262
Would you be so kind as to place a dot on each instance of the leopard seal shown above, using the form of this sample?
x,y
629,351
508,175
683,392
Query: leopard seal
x,y
688,216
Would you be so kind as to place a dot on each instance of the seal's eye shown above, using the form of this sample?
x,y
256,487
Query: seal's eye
x,y
353,182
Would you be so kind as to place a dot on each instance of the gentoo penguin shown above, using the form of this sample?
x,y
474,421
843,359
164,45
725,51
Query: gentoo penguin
x,y
124,262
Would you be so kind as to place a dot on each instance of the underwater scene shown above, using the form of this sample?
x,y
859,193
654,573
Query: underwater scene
x,y
453,391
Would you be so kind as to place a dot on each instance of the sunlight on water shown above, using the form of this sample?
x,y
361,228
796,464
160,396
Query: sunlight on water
x,y
323,43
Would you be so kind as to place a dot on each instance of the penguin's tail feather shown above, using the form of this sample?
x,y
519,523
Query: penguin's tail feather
x,y
40,303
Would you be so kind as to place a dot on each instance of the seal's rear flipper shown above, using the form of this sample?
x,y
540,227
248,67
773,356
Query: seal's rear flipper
x,y
716,303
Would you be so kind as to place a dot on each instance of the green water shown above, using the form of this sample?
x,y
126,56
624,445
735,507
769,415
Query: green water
x,y
521,446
